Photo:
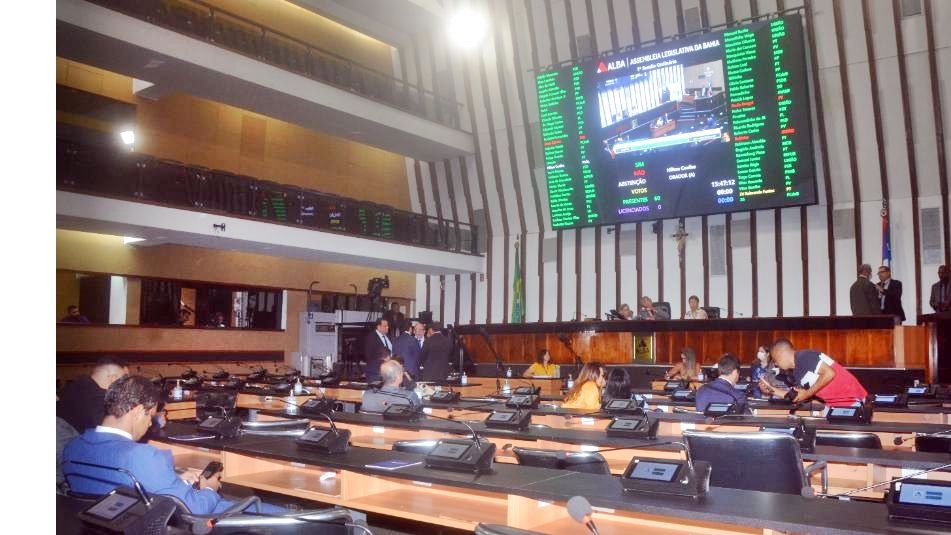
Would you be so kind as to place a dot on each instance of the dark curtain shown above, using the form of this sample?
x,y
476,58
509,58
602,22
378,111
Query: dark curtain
x,y
161,300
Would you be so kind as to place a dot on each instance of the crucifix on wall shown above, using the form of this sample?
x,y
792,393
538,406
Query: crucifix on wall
x,y
681,239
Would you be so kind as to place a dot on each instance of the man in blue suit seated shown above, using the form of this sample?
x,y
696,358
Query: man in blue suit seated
x,y
130,405
723,388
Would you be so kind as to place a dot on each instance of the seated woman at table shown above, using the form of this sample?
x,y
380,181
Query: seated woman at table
x,y
695,312
586,392
618,385
687,369
542,367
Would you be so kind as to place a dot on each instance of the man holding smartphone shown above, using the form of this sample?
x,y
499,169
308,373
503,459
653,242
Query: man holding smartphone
x,y
130,404
817,376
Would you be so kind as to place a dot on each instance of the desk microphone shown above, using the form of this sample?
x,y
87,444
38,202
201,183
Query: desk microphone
x,y
333,426
580,510
899,441
883,483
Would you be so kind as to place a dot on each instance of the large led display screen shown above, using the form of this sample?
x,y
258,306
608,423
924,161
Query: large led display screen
x,y
711,124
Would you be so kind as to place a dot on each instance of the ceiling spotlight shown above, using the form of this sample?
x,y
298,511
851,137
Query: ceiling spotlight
x,y
127,240
128,137
467,28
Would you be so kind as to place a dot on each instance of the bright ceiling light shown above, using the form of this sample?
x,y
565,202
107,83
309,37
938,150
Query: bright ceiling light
x,y
467,28
128,137
126,240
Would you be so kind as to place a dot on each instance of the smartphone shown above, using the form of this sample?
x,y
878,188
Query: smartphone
x,y
213,468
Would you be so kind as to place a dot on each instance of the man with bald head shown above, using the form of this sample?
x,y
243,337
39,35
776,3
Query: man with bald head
x,y
82,403
392,391
863,295
941,291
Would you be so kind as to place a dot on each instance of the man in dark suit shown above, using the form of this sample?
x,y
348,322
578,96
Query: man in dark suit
x,y
863,295
395,319
940,300
373,345
723,388
890,293
435,356
408,346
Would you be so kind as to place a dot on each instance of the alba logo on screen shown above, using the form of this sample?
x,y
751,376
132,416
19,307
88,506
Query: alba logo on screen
x,y
611,65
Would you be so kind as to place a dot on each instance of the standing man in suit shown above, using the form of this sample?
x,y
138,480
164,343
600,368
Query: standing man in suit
x,y
863,295
374,344
889,290
435,354
409,348
395,319
941,291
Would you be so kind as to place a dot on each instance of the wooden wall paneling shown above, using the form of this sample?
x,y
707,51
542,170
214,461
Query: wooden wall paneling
x,y
639,283
728,234
849,130
754,264
681,265
559,268
705,255
480,172
939,130
577,233
826,174
912,155
464,172
659,231
496,171
617,266
778,244
597,272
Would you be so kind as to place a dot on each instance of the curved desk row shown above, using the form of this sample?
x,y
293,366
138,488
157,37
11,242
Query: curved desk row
x,y
524,497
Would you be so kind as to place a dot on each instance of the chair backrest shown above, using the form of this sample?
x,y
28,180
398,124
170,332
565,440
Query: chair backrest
x,y
415,446
64,433
210,402
663,305
849,440
575,461
712,312
767,462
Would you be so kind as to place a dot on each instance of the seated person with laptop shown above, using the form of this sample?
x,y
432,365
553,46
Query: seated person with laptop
x,y
130,405
723,388
392,391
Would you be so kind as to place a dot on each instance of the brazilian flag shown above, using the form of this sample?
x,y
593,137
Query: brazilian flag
x,y
518,290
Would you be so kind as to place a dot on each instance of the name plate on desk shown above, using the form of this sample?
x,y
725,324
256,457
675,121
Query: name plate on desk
x,y
667,477
922,500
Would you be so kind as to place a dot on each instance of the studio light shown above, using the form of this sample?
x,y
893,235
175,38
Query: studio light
x,y
128,137
127,240
467,28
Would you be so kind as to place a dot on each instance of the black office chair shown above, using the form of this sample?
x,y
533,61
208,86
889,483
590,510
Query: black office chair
x,y
422,446
713,313
939,444
737,461
663,305
588,462
849,440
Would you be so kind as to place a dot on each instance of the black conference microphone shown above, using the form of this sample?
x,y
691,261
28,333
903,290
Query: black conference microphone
x,y
340,442
899,441
883,483
580,510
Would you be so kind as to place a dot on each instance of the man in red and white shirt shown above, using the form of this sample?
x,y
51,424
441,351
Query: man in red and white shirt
x,y
816,375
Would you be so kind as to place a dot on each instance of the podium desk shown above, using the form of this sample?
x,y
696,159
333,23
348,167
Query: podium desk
x,y
520,496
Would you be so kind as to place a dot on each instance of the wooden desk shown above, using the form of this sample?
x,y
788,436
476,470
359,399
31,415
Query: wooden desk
x,y
523,497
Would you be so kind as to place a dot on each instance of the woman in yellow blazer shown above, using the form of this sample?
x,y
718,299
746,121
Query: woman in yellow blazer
x,y
586,393
542,366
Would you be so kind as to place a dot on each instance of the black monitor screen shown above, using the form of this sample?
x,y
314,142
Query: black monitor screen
x,y
924,494
655,471
843,412
112,506
718,407
211,422
450,450
709,124
501,416
314,435
519,400
626,424
885,399
917,389
619,404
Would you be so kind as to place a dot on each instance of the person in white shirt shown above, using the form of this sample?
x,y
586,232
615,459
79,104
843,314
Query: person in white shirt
x,y
695,312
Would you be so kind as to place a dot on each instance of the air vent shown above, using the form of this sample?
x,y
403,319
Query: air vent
x,y
931,235
740,233
910,8
585,45
843,224
550,250
717,250
692,19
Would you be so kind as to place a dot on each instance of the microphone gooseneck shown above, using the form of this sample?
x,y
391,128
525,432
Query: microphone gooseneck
x,y
883,483
329,419
899,440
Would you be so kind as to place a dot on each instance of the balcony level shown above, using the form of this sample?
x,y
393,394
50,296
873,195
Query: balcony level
x,y
162,201
188,47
